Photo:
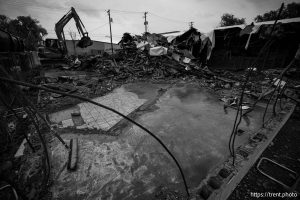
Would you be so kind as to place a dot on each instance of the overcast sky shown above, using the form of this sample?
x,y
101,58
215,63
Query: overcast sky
x,y
163,15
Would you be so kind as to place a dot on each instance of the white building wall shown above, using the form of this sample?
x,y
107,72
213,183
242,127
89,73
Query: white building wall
x,y
97,48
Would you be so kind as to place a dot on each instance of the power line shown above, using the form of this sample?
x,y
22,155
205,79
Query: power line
x,y
98,27
93,34
168,19
26,4
125,12
57,10
19,4
105,35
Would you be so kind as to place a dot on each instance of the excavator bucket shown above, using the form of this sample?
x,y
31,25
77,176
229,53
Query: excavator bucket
x,y
84,42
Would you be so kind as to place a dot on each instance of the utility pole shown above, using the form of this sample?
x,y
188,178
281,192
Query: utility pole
x,y
191,25
146,22
109,19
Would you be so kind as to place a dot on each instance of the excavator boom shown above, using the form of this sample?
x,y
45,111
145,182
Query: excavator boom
x,y
84,42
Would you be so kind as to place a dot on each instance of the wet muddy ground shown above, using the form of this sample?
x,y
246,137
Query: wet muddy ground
x,y
190,120
284,150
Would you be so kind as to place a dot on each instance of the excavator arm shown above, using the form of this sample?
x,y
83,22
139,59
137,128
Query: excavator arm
x,y
84,42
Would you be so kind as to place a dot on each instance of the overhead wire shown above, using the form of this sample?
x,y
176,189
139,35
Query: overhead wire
x,y
168,19
98,27
125,12
115,11
26,4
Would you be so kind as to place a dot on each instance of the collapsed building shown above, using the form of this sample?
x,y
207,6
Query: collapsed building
x,y
184,90
237,46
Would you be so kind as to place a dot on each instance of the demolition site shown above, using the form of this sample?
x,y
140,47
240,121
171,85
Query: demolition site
x,y
177,115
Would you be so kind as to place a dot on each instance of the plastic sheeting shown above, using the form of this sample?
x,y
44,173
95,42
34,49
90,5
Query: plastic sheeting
x,y
186,60
255,29
158,51
141,45
171,38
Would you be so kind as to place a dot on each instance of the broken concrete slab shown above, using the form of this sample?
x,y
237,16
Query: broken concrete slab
x,y
95,117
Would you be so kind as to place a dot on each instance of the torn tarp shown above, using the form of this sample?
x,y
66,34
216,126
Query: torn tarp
x,y
155,39
141,45
254,30
127,41
158,51
194,45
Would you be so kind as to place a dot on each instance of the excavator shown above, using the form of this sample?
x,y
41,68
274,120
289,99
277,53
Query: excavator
x,y
57,48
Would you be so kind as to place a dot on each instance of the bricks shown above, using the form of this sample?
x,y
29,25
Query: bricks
x,y
224,173
215,182
100,118
87,115
243,153
205,191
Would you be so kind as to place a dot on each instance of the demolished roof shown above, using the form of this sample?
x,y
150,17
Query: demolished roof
x,y
242,26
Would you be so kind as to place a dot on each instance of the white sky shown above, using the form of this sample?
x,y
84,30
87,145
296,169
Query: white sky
x,y
164,15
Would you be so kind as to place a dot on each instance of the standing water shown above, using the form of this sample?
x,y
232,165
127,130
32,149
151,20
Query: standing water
x,y
191,122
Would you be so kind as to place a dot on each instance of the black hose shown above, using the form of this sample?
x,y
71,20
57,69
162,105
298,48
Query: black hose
x,y
107,108
21,121
47,171
279,95
273,27
234,129
279,79
239,110
32,116
268,103
239,115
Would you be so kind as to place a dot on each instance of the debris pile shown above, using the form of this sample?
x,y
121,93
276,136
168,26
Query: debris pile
x,y
149,55
81,83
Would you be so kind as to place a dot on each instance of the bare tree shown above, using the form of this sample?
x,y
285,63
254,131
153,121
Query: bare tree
x,y
73,37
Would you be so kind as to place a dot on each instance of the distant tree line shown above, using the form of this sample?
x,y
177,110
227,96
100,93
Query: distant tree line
x,y
24,27
291,10
230,20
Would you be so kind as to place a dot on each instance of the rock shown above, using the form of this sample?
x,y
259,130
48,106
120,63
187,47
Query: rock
x,y
243,153
237,193
237,84
215,182
5,166
267,185
205,191
6,191
271,144
227,86
240,132
224,173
